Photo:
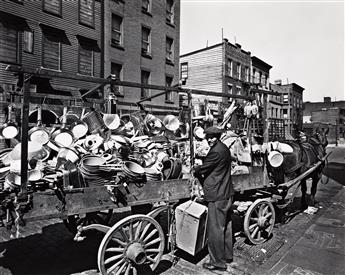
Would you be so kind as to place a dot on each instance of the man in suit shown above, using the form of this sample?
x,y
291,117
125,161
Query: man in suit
x,y
215,177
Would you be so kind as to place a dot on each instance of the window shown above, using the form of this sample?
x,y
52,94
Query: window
x,y
87,12
230,91
86,59
229,69
51,57
285,114
285,99
28,41
146,6
169,53
53,6
247,74
170,11
116,30
238,71
168,83
145,76
184,70
8,44
145,40
116,69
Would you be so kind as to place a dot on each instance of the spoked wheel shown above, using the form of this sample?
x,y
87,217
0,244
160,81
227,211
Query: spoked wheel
x,y
164,215
100,217
135,241
259,221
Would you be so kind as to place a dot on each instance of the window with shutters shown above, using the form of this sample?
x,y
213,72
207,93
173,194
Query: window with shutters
x,y
87,12
170,11
53,6
51,54
9,49
116,30
168,83
145,77
169,51
86,59
145,41
28,41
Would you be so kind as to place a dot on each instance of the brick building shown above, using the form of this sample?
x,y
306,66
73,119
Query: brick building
x,y
329,114
142,45
292,110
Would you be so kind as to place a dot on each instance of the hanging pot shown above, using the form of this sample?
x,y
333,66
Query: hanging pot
x,y
9,130
39,134
79,127
198,111
94,121
63,137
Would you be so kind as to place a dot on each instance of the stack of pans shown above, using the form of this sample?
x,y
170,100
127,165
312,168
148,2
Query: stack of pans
x,y
153,175
133,171
92,174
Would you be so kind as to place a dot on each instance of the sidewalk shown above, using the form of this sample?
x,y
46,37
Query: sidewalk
x,y
321,248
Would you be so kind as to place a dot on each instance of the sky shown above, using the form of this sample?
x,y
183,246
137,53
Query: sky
x,y
303,41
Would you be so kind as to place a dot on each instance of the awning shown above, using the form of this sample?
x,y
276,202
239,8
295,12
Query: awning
x,y
59,34
88,43
14,21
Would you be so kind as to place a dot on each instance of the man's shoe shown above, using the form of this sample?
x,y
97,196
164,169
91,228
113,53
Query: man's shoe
x,y
211,267
229,261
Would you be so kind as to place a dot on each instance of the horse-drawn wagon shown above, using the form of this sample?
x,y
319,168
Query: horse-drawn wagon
x,y
139,239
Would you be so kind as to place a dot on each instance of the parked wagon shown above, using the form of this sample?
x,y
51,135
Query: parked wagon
x,y
139,240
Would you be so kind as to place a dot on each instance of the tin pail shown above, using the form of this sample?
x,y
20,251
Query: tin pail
x,y
94,121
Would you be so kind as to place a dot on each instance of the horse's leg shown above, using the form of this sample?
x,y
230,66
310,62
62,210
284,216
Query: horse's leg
x,y
315,180
304,204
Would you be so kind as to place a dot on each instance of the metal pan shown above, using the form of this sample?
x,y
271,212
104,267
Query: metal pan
x,y
63,137
10,129
79,128
39,134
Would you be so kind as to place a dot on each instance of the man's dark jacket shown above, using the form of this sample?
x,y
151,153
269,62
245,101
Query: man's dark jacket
x,y
216,173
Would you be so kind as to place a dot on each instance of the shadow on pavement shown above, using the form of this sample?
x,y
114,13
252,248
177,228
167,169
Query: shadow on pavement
x,y
335,171
52,252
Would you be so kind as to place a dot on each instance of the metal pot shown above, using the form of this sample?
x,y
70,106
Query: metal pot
x,y
94,121
9,130
39,134
79,128
63,137
69,153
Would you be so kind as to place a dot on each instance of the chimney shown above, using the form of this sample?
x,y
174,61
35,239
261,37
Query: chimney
x,y
278,82
225,40
327,99
238,45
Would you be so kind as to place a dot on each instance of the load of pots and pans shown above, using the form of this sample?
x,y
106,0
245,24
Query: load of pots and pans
x,y
94,147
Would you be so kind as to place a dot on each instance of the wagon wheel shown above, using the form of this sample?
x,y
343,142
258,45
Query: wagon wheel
x,y
166,221
101,217
259,221
135,241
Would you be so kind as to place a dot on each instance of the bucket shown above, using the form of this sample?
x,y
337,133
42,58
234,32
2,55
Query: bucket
x,y
198,111
94,121
275,158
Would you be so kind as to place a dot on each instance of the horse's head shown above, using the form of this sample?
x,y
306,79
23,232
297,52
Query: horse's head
x,y
321,136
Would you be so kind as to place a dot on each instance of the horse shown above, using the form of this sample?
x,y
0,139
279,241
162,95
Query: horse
x,y
306,151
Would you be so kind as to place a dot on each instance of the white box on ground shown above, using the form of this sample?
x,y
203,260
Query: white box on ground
x,y
191,224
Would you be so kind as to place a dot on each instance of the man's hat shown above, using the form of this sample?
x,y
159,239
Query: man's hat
x,y
213,132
